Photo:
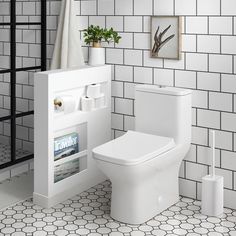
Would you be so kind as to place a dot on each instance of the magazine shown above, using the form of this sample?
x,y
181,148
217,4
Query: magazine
x,y
66,170
66,145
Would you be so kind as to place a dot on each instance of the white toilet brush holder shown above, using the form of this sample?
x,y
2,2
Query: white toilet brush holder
x,y
213,189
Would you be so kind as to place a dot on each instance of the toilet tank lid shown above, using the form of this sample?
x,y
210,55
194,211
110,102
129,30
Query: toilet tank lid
x,y
172,91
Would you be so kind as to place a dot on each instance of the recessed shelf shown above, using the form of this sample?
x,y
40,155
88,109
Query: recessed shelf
x,y
69,168
61,114
62,121
70,158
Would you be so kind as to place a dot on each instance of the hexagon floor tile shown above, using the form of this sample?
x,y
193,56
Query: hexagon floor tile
x,y
88,214
5,153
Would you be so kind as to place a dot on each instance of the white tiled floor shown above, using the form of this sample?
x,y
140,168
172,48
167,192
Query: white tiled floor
x,y
16,189
88,214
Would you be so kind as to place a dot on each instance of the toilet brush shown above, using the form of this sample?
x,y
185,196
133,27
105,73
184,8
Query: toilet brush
x,y
212,189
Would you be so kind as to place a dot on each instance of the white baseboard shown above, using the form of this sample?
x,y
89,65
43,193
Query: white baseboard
x,y
48,202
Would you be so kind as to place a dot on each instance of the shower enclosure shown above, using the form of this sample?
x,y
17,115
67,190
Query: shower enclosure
x,y
22,52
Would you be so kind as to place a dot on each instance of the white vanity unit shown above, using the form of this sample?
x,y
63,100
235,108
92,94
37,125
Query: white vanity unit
x,y
59,177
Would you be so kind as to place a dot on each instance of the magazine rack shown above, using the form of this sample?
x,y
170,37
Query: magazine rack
x,y
58,180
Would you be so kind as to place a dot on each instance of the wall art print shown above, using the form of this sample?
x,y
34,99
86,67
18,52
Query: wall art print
x,y
166,37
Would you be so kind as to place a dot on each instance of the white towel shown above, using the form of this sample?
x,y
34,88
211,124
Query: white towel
x,y
67,50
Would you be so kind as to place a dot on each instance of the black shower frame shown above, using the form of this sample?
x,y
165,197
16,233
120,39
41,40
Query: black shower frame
x,y
13,70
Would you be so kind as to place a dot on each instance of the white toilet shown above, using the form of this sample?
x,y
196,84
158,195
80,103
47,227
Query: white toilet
x,y
143,165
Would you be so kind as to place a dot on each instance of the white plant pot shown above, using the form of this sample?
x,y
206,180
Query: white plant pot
x,y
96,56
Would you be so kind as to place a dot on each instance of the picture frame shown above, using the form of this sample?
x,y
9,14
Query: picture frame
x,y
166,39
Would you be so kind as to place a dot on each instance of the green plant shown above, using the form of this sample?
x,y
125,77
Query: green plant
x,y
95,34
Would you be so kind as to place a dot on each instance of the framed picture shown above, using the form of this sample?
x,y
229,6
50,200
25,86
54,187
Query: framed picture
x,y
166,37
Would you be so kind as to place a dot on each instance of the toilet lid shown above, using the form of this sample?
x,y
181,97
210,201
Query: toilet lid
x,y
133,148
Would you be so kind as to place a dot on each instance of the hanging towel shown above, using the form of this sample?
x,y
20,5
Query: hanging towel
x,y
67,50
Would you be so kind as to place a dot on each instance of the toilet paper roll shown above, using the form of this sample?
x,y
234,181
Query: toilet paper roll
x,y
87,103
99,101
94,90
65,103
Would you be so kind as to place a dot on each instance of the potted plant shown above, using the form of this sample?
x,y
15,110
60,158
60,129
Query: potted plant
x,y
94,35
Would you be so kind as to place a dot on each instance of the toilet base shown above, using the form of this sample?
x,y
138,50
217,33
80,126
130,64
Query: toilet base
x,y
140,192
136,204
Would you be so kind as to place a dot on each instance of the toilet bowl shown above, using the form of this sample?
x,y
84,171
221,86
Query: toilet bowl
x,y
143,165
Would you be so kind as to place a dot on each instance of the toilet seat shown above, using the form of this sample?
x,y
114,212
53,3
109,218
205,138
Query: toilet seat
x,y
133,148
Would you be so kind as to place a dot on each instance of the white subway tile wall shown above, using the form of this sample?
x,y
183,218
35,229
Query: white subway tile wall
x,y
207,66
